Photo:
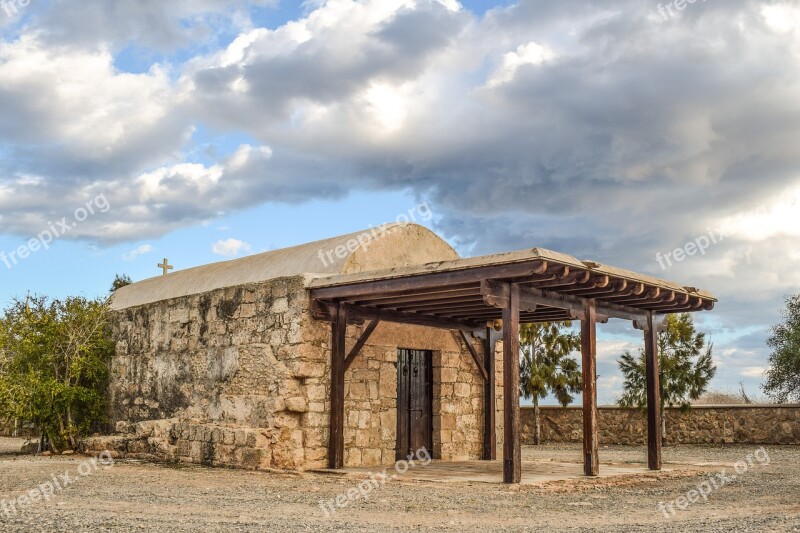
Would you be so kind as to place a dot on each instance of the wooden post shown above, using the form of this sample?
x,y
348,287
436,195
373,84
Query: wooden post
x,y
338,335
591,465
653,394
489,398
512,451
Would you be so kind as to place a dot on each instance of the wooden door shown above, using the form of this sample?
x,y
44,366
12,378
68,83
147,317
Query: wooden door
x,y
414,402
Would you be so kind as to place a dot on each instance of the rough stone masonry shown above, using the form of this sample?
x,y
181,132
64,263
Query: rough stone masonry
x,y
218,366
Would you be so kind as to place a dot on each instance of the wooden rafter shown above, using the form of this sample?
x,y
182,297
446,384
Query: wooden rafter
x,y
475,356
430,281
362,340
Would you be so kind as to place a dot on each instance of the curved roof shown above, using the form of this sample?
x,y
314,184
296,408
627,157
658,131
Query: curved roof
x,y
384,247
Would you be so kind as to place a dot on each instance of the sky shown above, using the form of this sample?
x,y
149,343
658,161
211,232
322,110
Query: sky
x,y
202,130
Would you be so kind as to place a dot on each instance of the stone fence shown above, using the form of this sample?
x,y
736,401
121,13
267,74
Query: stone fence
x,y
745,424
26,431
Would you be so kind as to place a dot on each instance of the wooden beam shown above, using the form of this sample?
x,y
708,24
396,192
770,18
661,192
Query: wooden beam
x,y
653,394
442,308
321,310
591,466
512,451
362,340
338,336
429,281
596,282
489,397
425,303
575,278
651,296
415,296
660,322
359,314
412,318
619,286
495,294
474,354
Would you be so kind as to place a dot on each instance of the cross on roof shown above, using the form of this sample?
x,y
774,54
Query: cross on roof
x,y
165,266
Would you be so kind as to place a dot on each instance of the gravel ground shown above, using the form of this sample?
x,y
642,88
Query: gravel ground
x,y
145,497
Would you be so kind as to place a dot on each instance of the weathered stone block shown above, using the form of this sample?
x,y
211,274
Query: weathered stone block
x,y
357,391
184,448
353,456
144,429
371,457
317,392
448,421
125,427
280,305
449,375
297,404
251,458
316,407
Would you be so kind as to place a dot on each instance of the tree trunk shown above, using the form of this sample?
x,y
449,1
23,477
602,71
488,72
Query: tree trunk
x,y
73,442
537,425
663,428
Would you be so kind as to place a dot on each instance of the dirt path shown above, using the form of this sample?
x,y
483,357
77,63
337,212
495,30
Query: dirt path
x,y
144,497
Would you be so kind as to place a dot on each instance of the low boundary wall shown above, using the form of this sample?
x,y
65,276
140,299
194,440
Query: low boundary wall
x,y
707,424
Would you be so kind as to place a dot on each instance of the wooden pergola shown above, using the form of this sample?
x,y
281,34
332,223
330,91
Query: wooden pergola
x,y
471,295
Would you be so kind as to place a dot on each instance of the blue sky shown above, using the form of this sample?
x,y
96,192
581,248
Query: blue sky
x,y
218,129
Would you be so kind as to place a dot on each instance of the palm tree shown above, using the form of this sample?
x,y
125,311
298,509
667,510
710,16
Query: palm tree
x,y
546,366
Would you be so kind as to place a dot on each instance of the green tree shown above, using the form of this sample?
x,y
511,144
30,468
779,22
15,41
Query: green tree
x,y
53,366
120,280
686,367
783,375
546,367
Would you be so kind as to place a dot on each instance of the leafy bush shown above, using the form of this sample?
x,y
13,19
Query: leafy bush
x,y
54,366
783,375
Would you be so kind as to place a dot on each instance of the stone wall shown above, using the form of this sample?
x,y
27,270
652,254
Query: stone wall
x,y
190,374
370,432
745,424
242,357
24,431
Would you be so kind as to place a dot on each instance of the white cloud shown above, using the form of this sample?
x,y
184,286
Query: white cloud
x,y
388,105
612,350
753,371
609,388
780,216
136,252
782,17
527,54
148,204
230,248
78,99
